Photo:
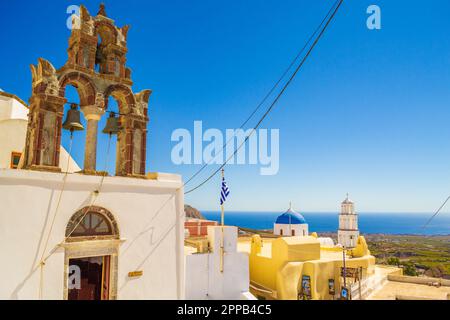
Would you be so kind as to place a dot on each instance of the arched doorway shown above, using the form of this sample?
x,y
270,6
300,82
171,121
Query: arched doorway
x,y
92,240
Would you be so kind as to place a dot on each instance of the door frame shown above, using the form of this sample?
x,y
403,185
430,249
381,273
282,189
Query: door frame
x,y
93,248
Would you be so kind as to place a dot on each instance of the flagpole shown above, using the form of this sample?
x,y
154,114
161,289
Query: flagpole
x,y
222,216
222,223
290,226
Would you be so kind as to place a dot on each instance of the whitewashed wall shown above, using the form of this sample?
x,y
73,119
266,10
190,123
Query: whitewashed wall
x,y
300,229
10,108
203,277
150,218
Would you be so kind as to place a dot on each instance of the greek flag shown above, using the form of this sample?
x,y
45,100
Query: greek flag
x,y
224,192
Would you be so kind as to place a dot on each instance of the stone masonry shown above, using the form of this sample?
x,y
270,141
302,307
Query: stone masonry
x,y
96,68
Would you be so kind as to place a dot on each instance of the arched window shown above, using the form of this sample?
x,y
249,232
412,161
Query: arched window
x,y
293,232
281,232
92,222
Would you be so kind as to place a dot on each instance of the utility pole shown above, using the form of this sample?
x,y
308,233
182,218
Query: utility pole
x,y
344,291
344,270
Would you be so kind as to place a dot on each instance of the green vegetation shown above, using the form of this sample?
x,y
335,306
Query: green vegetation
x,y
409,269
418,255
393,261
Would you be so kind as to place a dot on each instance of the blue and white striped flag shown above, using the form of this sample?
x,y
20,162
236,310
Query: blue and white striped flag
x,y
224,192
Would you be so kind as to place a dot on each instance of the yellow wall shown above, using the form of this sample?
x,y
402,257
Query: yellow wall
x,y
295,249
288,280
282,268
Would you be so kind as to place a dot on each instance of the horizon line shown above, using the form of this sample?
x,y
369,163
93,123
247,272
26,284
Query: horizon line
x,y
321,211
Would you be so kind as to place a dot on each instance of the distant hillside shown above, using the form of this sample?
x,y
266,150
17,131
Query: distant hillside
x,y
419,255
192,212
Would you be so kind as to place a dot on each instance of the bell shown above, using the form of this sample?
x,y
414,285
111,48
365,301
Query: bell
x,y
73,122
112,124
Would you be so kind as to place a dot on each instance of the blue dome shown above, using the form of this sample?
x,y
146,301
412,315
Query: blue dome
x,y
290,217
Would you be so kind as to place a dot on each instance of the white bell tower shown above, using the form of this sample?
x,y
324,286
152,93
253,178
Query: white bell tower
x,y
348,232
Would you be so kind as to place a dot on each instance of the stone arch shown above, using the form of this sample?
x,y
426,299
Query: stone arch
x,y
97,42
82,246
81,214
106,31
85,87
131,139
109,56
123,95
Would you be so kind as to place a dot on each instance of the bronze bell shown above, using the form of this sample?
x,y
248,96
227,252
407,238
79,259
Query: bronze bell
x,y
112,124
73,122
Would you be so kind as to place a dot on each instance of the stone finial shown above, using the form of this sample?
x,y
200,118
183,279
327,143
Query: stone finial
x,y
143,95
101,10
142,101
45,73
84,13
124,30
46,69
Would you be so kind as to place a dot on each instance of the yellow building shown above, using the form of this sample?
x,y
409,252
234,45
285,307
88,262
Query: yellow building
x,y
277,266
308,267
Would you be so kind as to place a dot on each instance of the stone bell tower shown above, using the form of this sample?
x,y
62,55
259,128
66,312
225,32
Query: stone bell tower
x,y
348,232
96,67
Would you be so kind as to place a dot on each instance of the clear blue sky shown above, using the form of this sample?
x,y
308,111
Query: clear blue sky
x,y
368,114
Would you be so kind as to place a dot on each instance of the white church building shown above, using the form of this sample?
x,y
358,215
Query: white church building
x,y
123,235
80,234
290,223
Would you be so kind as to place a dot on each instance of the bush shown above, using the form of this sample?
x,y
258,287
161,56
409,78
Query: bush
x,y
393,261
409,269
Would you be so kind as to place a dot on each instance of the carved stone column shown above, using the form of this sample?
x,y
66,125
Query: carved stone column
x,y
42,145
92,115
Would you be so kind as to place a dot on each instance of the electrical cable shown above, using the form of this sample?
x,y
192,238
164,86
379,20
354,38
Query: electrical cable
x,y
267,95
42,261
436,213
336,7
95,193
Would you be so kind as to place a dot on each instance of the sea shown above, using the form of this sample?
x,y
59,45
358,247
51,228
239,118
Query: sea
x,y
383,222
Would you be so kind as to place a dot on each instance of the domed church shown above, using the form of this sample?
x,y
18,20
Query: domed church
x,y
290,223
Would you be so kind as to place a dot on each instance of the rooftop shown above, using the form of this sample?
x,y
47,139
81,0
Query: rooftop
x,y
393,290
244,245
13,96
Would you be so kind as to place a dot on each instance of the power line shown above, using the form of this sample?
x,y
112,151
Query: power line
x,y
44,259
436,213
336,8
266,96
